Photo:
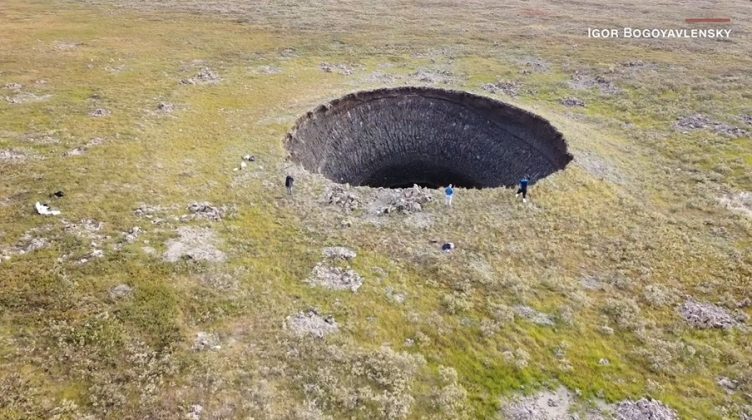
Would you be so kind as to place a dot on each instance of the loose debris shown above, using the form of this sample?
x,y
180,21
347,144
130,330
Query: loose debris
x,y
434,77
45,210
342,69
99,112
644,409
204,77
310,323
194,244
510,88
26,97
747,119
341,196
12,156
546,405
583,80
407,200
538,318
740,203
700,121
205,210
121,291
132,235
165,107
729,385
249,158
339,252
572,102
28,243
706,315
447,247
206,341
334,278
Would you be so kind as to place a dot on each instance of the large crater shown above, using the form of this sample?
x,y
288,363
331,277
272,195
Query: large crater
x,y
398,137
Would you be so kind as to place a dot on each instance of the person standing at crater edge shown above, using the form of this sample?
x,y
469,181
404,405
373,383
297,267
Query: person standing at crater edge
x,y
523,188
289,183
448,195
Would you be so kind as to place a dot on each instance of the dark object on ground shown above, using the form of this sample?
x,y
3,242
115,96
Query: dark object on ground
x,y
400,137
289,181
249,158
58,194
447,247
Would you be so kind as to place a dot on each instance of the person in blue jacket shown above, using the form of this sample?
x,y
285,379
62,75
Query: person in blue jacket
x,y
448,195
523,188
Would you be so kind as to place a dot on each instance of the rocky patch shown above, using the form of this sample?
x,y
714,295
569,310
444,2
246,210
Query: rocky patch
x,y
434,77
583,81
644,409
194,244
706,315
339,252
26,97
700,122
100,112
740,203
572,101
546,405
121,291
206,341
342,69
207,211
342,196
506,87
334,278
205,76
402,201
310,323
12,156
530,314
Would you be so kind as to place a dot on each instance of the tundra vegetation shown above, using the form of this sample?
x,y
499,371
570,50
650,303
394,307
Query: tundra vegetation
x,y
181,280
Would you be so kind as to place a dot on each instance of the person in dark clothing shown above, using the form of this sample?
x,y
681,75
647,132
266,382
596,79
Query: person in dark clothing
x,y
523,188
289,183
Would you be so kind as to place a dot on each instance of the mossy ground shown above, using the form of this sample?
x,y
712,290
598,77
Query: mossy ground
x,y
652,219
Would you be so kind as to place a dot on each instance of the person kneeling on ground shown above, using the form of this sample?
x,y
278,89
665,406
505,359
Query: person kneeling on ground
x,y
523,188
288,184
448,194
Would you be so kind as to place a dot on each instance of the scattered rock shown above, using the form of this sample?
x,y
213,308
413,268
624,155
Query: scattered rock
x,y
700,121
510,88
26,97
572,102
603,362
121,291
644,409
342,69
12,156
538,318
339,252
747,119
433,77
249,158
13,86
706,315
206,341
395,296
310,323
407,200
269,70
583,80
195,413
133,234
99,112
740,203
205,210
204,77
165,107
334,278
447,247
729,385
545,405
78,151
194,244
341,196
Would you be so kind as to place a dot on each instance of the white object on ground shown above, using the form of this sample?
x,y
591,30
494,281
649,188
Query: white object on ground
x,y
45,210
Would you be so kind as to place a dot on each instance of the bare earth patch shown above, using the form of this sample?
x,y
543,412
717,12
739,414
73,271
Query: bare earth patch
x,y
205,76
334,278
583,80
310,323
700,121
706,315
644,409
12,156
740,203
546,405
510,88
195,244
339,252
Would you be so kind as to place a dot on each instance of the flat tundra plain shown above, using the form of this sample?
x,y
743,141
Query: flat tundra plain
x,y
180,280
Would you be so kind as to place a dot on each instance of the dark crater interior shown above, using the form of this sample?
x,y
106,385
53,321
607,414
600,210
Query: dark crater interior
x,y
398,137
